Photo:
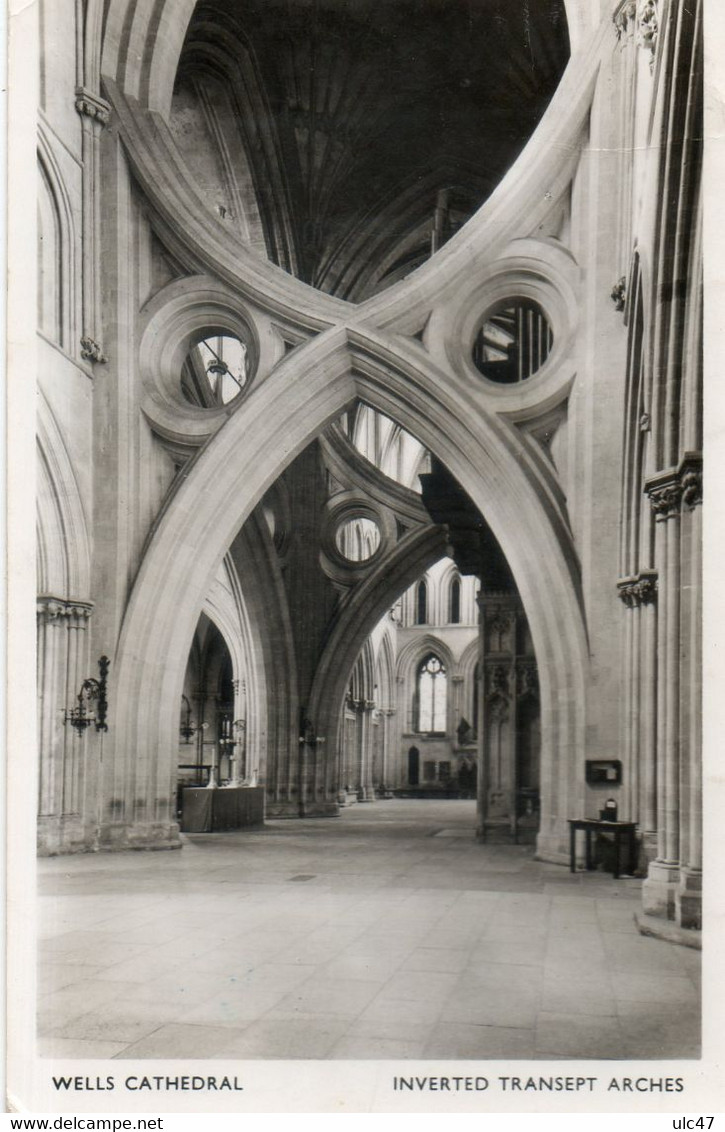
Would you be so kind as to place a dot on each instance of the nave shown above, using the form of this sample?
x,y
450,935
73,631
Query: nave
x,y
387,933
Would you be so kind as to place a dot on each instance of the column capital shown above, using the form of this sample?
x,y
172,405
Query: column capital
x,y
648,27
625,19
640,589
669,491
74,614
92,106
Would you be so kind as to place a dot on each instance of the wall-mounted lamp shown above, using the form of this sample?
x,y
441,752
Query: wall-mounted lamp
x,y
92,692
308,735
189,729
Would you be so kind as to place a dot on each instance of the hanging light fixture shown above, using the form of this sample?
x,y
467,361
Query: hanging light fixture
x,y
189,729
93,692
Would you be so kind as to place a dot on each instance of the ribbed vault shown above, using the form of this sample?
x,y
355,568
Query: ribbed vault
x,y
347,109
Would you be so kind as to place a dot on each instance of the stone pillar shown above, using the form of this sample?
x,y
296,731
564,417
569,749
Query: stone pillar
x,y
385,770
366,791
648,720
66,803
95,113
688,898
482,781
456,708
676,764
640,691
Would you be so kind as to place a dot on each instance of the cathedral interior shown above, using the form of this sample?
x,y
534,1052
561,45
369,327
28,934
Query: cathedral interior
x,y
369,439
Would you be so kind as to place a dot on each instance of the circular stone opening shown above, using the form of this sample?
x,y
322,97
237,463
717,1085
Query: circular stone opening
x,y
513,342
357,539
215,371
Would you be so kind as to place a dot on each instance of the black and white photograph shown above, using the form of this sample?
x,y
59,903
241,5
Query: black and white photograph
x,y
358,414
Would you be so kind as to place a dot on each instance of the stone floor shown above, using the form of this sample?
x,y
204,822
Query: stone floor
x,y
387,933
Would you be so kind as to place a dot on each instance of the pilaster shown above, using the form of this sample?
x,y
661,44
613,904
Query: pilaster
x,y
95,113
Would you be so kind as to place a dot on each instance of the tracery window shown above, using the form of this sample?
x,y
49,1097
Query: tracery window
x,y
431,695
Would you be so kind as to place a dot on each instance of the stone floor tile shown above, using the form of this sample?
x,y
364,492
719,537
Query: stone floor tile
x,y
108,1026
651,986
408,1012
504,1005
111,953
566,992
435,959
578,1036
235,1006
433,985
368,966
341,998
303,1037
70,1048
451,940
518,952
401,941
178,1041
56,1009
56,976
351,1048
457,1040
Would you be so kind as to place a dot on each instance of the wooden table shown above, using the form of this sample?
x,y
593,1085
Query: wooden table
x,y
622,830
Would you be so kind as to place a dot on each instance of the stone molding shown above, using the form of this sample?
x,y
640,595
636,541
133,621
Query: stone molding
x,y
91,106
648,27
527,678
625,19
74,614
91,351
497,679
639,590
501,622
638,21
618,294
670,491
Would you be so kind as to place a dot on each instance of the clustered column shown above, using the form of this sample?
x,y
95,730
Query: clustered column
x,y
673,884
639,595
62,668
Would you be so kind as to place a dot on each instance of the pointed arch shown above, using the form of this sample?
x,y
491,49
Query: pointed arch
x,y
311,387
64,562
55,203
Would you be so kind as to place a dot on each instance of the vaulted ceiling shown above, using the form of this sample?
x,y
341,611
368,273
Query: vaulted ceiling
x,y
372,129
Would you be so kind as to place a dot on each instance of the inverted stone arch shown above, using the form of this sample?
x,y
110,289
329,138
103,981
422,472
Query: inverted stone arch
x,y
313,386
139,70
